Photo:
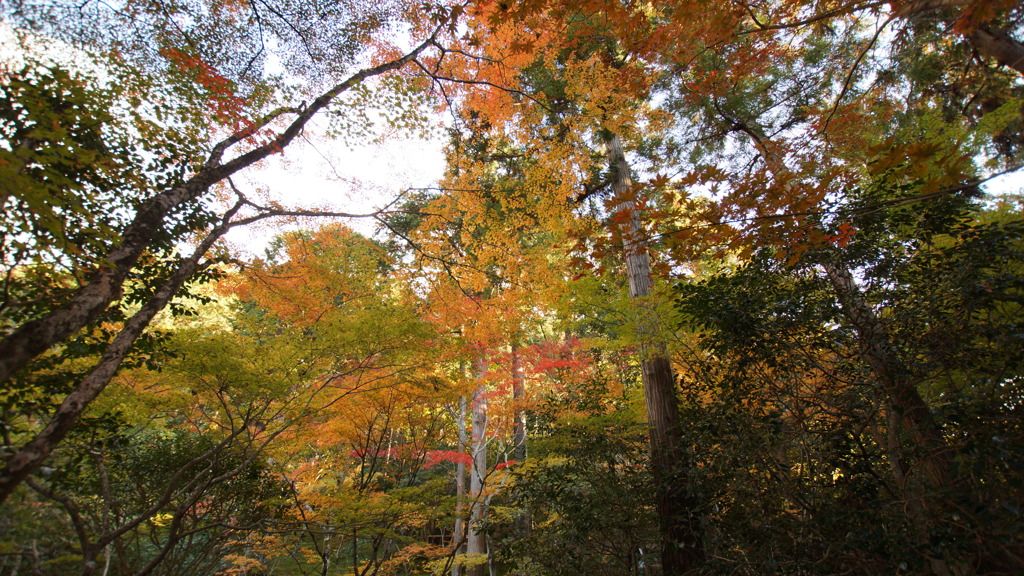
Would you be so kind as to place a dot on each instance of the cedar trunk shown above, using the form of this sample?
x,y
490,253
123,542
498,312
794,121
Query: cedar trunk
x,y
991,42
682,541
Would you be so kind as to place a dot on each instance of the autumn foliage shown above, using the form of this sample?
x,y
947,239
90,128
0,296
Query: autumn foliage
x,y
704,288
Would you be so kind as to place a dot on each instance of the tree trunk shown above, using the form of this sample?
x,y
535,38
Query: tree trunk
x,y
459,536
912,414
997,44
522,519
682,540
924,478
476,543
32,455
519,404
27,342
909,417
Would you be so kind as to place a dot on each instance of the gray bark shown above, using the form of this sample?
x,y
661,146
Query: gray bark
x,y
518,401
476,542
459,536
519,436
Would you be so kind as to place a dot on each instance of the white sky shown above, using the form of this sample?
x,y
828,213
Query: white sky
x,y
338,175
1012,183
329,175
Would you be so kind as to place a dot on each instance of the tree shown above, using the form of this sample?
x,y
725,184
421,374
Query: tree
x,y
682,546
574,69
34,336
489,268
823,120
586,487
764,218
792,411
368,492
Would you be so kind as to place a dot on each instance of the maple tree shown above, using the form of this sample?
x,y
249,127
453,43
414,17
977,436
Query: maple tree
x,y
104,284
603,105
805,138
756,226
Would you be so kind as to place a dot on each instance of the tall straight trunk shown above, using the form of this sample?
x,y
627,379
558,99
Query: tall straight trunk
x,y
518,402
476,542
522,519
459,536
681,537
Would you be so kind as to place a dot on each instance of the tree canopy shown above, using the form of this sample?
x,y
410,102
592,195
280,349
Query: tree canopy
x,y
704,289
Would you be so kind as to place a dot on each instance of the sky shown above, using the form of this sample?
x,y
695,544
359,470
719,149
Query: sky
x,y
1012,183
355,176
361,176
341,175
338,176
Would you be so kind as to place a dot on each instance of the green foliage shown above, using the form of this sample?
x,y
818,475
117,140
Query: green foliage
x,y
791,417
118,474
75,163
292,435
771,408
76,159
585,494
